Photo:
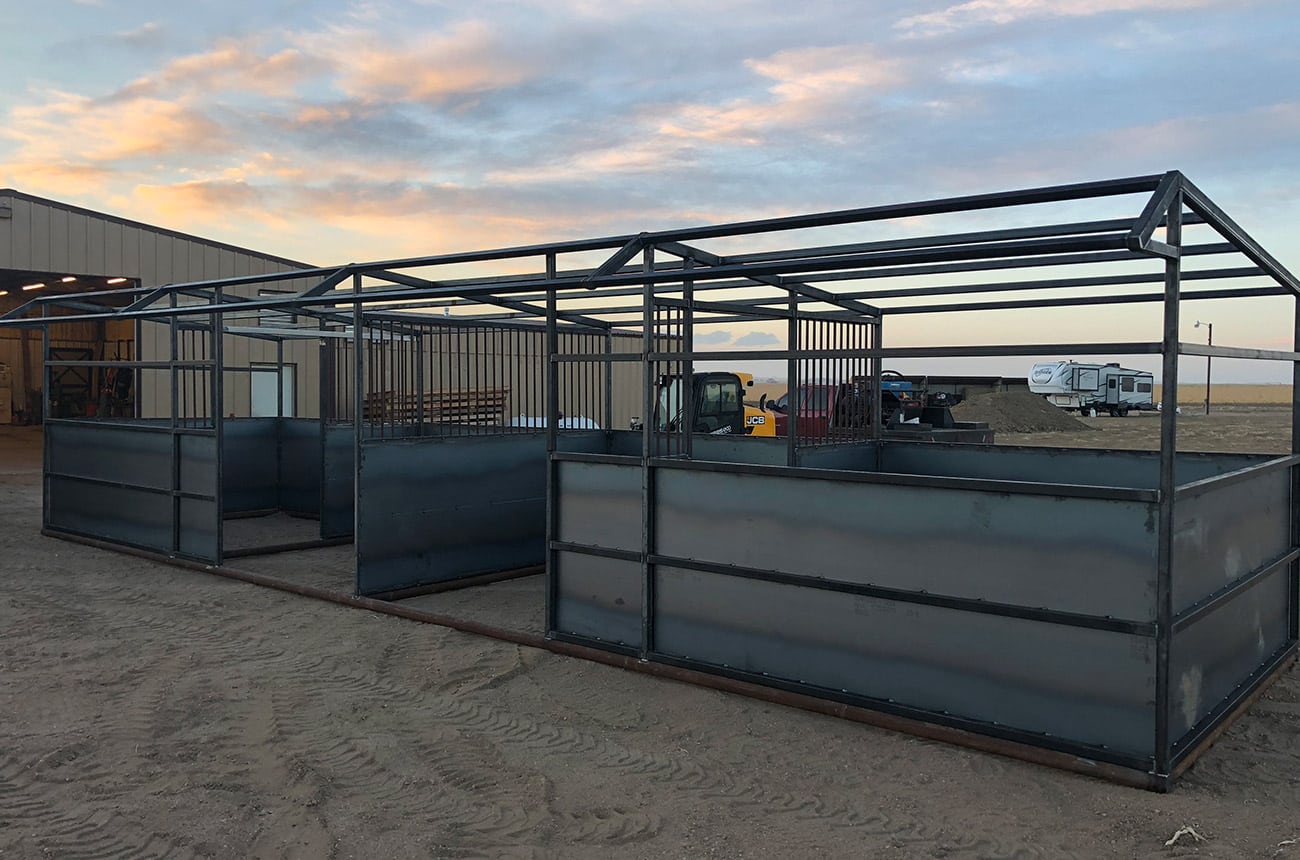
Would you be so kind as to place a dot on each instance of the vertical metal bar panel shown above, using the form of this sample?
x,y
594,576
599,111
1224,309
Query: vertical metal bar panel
x,y
647,451
467,366
876,333
45,413
608,423
551,368
279,378
793,343
419,378
383,387
823,371
1168,449
688,347
136,381
358,371
217,382
327,391
174,352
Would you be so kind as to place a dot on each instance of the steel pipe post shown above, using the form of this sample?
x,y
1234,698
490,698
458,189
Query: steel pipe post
x,y
358,406
648,442
552,386
1168,451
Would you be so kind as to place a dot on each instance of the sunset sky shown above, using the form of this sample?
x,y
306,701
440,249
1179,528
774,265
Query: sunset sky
x,y
334,131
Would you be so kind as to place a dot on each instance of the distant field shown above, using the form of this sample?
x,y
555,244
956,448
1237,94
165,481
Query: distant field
x,y
1243,394
1188,395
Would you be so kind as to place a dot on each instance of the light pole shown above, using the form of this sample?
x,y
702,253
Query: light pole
x,y
1209,341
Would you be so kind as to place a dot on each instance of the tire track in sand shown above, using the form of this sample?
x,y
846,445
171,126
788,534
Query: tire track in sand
x,y
467,716
36,805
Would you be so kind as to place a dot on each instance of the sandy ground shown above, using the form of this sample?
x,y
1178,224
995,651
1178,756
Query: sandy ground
x,y
1264,429
149,711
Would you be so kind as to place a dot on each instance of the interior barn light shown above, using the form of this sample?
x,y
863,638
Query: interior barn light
x,y
69,279
4,292
116,281
33,286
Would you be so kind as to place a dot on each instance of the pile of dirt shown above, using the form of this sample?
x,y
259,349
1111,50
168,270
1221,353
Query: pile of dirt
x,y
1017,412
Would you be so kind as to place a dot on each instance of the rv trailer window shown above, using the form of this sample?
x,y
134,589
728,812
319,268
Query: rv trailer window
x,y
1144,387
1111,382
1126,384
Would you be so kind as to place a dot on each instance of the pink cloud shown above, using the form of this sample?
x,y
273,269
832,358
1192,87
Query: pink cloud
x,y
231,65
464,59
76,128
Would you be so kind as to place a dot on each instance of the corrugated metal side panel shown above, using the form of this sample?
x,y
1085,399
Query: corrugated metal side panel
x,y
39,240
58,239
78,244
97,247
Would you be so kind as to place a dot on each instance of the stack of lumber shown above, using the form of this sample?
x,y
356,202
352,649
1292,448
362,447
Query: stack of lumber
x,y
465,406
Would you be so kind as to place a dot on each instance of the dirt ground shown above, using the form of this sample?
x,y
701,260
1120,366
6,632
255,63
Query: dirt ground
x,y
150,711
1264,429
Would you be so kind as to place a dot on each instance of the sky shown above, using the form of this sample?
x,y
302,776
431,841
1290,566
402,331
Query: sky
x,y
347,130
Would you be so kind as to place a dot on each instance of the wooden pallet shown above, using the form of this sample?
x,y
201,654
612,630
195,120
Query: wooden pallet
x,y
481,406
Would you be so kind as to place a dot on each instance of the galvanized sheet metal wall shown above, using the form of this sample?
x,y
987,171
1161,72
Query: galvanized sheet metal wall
x,y
1022,550
250,465
1227,535
119,482
301,464
1227,532
338,482
437,509
1100,468
1212,658
1087,686
599,598
600,505
1030,615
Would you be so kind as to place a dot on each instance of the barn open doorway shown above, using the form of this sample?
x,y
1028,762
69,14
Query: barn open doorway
x,y
77,390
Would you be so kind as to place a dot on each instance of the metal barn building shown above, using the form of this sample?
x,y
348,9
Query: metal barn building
x,y
48,247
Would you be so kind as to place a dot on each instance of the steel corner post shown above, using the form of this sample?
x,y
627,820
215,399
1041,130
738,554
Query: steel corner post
x,y
1168,483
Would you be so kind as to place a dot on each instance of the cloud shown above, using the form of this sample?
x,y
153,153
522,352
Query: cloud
x,y
757,338
148,35
811,85
56,177
231,65
71,127
712,338
1003,12
465,59
175,200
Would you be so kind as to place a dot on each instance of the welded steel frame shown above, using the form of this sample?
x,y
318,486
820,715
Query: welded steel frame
x,y
579,295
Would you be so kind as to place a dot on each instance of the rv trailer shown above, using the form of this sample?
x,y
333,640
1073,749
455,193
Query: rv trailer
x,y
1104,387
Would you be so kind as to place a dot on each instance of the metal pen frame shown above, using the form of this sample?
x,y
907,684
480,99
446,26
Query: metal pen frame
x,y
570,300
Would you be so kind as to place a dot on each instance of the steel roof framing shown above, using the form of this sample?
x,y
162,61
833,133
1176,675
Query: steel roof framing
x,y
772,277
